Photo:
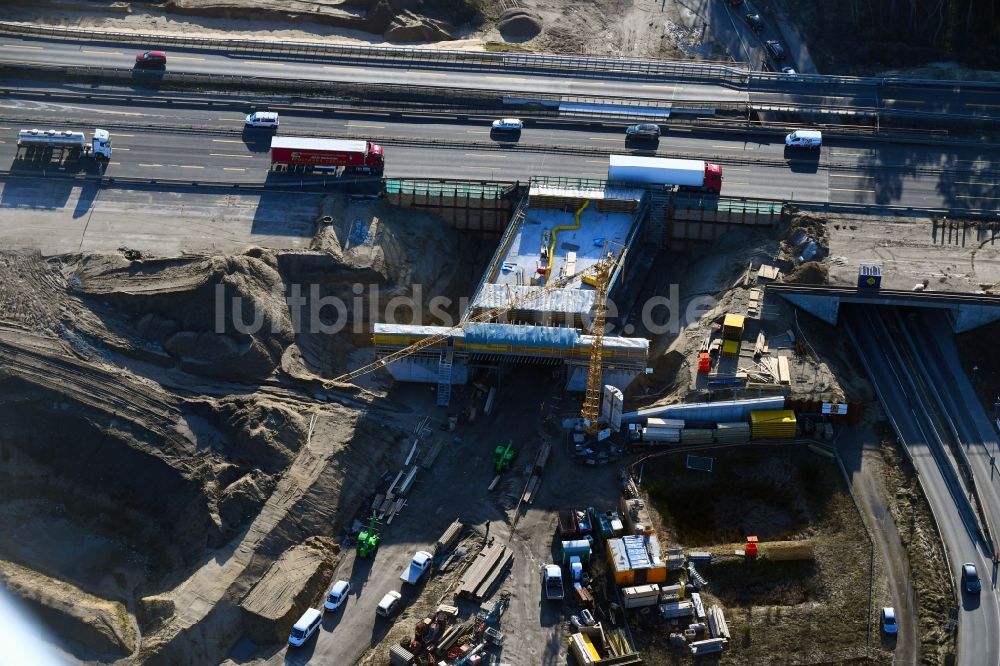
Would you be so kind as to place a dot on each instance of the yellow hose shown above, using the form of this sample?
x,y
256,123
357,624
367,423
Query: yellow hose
x,y
555,232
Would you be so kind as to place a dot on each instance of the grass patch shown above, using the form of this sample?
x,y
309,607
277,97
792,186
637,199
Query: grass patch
x,y
503,47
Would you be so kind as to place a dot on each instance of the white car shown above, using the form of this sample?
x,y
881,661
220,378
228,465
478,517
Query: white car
x,y
889,620
508,125
389,602
264,119
337,595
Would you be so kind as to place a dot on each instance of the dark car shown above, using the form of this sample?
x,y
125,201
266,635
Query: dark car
x,y
970,578
775,49
735,3
755,22
151,59
644,131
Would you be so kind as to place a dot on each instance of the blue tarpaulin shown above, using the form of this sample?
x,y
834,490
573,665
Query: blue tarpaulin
x,y
517,334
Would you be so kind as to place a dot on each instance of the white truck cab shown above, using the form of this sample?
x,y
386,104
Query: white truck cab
x,y
804,139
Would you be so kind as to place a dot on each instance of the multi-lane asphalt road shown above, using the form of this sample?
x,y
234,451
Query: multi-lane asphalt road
x,y
901,398
962,99
208,144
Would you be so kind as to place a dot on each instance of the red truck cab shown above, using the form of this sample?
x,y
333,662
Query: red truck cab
x,y
713,178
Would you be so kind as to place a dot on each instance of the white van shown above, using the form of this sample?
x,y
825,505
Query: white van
x,y
337,595
305,627
804,139
262,119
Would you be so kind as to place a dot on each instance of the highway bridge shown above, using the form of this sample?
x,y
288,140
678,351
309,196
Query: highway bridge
x,y
962,312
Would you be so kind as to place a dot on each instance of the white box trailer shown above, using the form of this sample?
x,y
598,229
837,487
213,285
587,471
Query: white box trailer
x,y
686,174
74,144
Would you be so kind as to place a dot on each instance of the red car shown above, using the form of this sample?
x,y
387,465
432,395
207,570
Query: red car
x,y
151,58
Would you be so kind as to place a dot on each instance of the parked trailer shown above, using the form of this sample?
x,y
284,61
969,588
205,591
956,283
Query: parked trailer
x,y
690,175
64,144
305,155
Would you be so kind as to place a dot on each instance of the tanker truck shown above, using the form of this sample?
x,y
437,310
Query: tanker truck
x,y
689,175
307,155
66,145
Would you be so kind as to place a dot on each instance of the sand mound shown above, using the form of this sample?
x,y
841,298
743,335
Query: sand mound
x,y
96,624
281,595
809,273
518,25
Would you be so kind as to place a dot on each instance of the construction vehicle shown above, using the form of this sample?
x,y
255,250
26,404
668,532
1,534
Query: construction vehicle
x,y
69,145
502,456
332,156
368,539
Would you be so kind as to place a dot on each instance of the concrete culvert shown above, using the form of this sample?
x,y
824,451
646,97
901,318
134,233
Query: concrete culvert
x,y
519,25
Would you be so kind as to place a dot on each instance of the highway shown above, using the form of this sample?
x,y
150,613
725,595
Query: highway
x,y
313,68
975,434
901,399
967,100
208,144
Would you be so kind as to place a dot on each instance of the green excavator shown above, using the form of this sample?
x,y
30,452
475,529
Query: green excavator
x,y
368,539
502,456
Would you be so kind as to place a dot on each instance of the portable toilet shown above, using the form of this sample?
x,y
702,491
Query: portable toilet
x,y
575,568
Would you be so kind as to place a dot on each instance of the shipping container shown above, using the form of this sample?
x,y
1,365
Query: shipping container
x,y
640,596
576,548
302,154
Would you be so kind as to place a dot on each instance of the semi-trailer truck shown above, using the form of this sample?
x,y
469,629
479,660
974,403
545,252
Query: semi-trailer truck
x,y
305,155
691,175
63,145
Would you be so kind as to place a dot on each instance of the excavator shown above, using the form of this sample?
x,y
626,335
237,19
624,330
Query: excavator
x,y
368,539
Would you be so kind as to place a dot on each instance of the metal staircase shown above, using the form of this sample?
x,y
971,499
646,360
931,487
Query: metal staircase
x,y
444,377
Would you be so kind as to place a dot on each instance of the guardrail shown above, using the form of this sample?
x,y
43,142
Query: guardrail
x,y
736,122
574,64
286,184
406,57
372,94
319,183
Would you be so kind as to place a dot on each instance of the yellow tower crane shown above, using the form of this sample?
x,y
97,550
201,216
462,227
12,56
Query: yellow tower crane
x,y
515,301
599,275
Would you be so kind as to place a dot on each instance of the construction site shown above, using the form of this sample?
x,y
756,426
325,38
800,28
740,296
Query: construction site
x,y
588,479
